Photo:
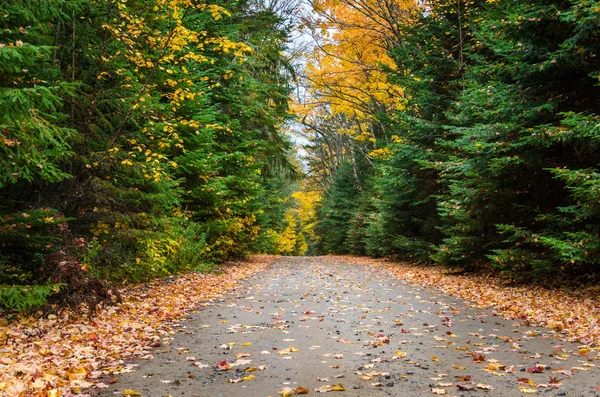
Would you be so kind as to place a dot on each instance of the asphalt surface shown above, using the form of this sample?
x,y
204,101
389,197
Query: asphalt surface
x,y
318,324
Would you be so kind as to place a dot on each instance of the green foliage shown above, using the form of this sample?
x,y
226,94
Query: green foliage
x,y
510,125
192,250
25,239
32,140
279,229
495,150
405,220
152,127
336,227
19,297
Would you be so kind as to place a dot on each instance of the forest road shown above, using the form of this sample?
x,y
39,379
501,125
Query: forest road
x,y
320,323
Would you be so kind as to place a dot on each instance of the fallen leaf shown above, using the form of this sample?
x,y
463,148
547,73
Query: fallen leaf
x,y
483,386
400,354
286,392
527,390
525,381
478,358
494,367
338,387
223,366
536,369
239,362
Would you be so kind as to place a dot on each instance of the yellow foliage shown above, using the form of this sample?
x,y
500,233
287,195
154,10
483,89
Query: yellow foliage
x,y
288,239
345,69
307,201
382,154
164,44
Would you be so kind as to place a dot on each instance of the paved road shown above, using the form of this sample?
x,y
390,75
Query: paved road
x,y
317,323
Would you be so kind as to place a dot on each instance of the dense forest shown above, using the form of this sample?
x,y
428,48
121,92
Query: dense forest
x,y
142,138
138,138
463,133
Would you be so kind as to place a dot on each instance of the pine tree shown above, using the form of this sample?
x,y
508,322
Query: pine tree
x,y
521,133
34,143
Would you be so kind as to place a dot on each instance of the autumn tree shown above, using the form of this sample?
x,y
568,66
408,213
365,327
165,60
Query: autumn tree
x,y
491,155
141,132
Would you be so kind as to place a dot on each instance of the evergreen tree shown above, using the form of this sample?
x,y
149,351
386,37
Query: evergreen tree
x,y
35,141
336,213
521,133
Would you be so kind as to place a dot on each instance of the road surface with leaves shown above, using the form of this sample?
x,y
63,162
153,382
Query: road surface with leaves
x,y
310,325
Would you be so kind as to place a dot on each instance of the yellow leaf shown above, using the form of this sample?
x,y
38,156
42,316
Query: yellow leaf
x,y
286,392
130,392
527,390
338,387
494,367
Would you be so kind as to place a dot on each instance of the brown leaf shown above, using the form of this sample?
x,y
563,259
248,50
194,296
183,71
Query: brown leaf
x,y
536,369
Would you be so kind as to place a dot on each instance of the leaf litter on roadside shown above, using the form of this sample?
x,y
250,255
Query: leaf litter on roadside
x,y
65,353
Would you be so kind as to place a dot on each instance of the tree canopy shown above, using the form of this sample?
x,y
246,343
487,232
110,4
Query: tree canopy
x,y
487,153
